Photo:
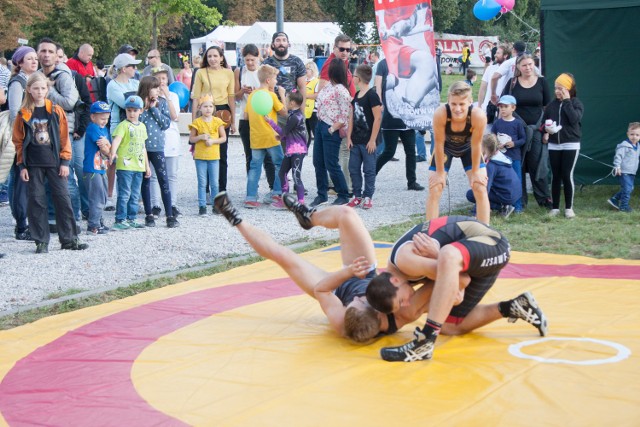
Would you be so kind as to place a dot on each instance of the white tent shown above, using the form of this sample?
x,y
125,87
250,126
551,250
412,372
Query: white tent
x,y
301,34
223,36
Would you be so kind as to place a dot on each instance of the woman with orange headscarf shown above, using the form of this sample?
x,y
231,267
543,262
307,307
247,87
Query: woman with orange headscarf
x,y
563,130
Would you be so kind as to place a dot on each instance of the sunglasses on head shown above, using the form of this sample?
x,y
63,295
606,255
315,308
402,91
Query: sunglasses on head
x,y
344,49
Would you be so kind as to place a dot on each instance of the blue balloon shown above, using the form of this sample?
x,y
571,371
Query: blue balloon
x,y
182,91
486,10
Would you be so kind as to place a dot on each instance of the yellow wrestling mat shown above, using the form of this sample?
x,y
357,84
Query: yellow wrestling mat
x,y
247,348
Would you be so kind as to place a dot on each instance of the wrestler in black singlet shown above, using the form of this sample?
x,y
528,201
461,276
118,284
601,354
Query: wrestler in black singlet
x,y
356,287
456,144
485,252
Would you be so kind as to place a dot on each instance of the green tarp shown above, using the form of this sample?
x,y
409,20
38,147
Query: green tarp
x,y
586,4
600,48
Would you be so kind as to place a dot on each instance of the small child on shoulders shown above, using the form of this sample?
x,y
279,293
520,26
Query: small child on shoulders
x,y
364,124
294,136
97,146
504,186
511,136
207,133
130,156
625,163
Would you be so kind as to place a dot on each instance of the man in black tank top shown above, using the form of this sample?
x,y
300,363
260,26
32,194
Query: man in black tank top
x,y
340,293
458,128
461,245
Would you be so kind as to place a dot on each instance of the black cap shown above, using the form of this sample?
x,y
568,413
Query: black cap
x,y
126,48
520,47
278,34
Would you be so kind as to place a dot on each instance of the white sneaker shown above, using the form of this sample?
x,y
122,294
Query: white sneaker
x,y
554,212
569,213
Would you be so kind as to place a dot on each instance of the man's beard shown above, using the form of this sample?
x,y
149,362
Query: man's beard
x,y
281,51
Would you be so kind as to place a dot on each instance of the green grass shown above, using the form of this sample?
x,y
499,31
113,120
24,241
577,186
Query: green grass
x,y
447,80
598,231
60,294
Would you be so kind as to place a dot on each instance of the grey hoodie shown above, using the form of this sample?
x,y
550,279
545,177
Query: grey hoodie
x,y
64,92
627,157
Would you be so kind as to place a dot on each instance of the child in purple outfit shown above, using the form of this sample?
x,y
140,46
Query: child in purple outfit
x,y
294,135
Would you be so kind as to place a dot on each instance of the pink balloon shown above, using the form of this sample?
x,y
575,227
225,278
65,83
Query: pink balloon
x,y
507,5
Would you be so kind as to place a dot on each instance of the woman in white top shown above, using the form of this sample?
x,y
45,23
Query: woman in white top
x,y
246,81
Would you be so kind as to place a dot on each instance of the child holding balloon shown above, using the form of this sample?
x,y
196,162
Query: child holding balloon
x,y
263,102
207,133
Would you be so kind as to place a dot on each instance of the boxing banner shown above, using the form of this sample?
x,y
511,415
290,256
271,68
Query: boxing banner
x,y
406,36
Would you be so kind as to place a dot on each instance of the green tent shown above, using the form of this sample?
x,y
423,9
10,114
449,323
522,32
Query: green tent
x,y
596,41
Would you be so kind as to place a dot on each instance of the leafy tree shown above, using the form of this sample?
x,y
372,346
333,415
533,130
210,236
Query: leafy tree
x,y
15,15
163,10
104,25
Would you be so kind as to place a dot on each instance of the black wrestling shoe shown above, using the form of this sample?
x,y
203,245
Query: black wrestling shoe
x,y
302,212
420,348
526,308
176,212
156,211
224,206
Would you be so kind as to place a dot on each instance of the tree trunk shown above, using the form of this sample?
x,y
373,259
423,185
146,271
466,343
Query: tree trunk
x,y
154,31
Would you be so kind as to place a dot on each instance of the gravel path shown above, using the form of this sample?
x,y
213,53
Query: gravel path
x,y
121,258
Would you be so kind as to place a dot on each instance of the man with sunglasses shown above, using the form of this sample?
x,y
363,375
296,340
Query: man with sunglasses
x,y
154,61
341,50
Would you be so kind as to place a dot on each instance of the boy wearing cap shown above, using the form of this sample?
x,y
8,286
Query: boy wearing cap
x,y
130,156
96,158
511,136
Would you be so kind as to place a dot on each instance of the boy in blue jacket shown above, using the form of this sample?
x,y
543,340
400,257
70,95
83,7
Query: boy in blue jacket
x,y
504,184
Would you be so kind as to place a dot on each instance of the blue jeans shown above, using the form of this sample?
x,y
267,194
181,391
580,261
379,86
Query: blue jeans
x,y
361,161
421,147
207,169
96,185
380,142
626,188
129,186
517,167
255,170
18,197
326,155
